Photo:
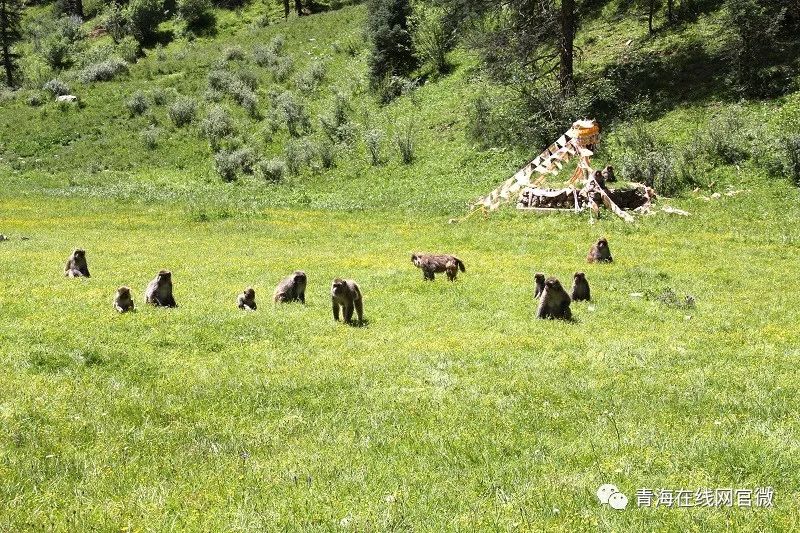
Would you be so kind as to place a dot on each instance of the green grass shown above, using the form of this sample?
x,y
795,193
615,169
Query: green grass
x,y
453,408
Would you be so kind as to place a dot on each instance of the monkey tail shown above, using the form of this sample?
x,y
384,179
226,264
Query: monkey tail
x,y
460,264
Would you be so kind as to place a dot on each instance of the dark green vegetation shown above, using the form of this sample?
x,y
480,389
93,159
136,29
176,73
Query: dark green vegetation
x,y
239,147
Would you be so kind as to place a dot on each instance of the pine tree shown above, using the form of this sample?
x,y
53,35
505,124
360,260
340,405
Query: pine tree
x,y
392,48
9,35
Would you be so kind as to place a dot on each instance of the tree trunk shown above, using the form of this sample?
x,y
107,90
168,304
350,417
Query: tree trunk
x,y
650,16
298,6
286,9
78,8
566,77
670,5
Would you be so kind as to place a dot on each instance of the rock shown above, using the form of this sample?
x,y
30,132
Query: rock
x,y
69,98
3,237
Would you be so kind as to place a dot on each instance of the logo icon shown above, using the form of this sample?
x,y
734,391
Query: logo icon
x,y
609,494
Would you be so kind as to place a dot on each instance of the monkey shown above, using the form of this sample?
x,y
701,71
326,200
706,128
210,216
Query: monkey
x,y
247,300
431,263
159,291
600,252
538,280
123,301
598,177
554,302
580,288
291,289
608,174
76,266
347,294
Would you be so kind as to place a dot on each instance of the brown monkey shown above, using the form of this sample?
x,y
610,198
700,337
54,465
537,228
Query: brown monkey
x,y
608,174
432,263
538,280
292,288
123,302
247,300
76,266
159,291
600,252
580,288
554,302
347,294
598,177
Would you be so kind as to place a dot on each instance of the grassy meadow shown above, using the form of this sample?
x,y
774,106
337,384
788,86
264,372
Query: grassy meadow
x,y
453,408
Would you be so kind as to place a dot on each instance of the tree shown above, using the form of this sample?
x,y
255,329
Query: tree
x,y
9,35
392,46
566,78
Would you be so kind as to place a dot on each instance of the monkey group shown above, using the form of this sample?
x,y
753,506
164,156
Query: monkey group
x,y
346,296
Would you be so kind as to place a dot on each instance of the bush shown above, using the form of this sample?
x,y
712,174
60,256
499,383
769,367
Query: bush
x,y
229,163
644,158
115,22
431,36
233,53
293,113
336,122
56,87
327,153
277,44
182,111
217,124
34,100
143,18
479,120
220,80
392,47
373,139
159,96
271,170
128,49
791,153
725,138
297,154
282,69
196,13
150,137
404,140
264,56
56,52
137,103
104,71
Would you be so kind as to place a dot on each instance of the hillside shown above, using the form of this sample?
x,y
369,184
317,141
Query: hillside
x,y
453,408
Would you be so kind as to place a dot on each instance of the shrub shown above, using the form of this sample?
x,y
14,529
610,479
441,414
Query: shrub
x,y
115,22
182,111
143,18
34,100
431,36
150,137
248,78
334,123
645,159
392,48
220,80
217,124
282,69
128,49
56,52
373,139
479,120
724,139
327,153
791,152
297,154
264,56
56,87
137,103
277,44
271,170
229,163
293,113
159,96
233,53
196,13
404,140
103,71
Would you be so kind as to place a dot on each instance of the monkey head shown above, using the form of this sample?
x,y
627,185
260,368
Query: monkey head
x,y
553,283
249,292
609,168
338,286
124,291
602,243
539,277
579,276
414,258
79,252
598,175
298,276
164,275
